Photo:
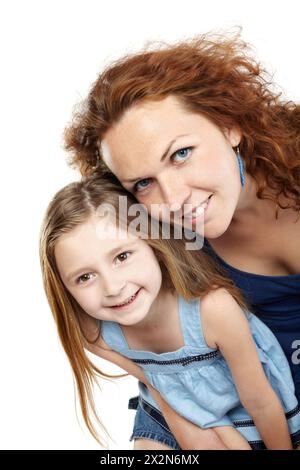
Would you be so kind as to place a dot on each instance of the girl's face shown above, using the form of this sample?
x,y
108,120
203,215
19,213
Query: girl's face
x,y
164,154
112,278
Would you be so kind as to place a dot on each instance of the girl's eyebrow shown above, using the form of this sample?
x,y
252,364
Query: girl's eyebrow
x,y
164,155
121,247
109,254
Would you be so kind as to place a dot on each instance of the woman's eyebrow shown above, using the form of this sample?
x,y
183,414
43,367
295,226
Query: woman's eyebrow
x,y
164,155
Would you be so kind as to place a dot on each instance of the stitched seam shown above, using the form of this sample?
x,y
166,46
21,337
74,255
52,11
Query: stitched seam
x,y
151,416
154,419
183,361
293,412
249,422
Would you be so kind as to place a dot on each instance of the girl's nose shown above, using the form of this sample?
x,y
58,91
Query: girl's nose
x,y
112,287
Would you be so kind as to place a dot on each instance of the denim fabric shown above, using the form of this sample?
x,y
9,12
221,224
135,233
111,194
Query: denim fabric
x,y
150,424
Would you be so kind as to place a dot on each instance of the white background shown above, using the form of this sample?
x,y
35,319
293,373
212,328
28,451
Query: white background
x,y
51,51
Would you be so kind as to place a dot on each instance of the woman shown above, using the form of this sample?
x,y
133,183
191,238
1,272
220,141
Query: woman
x,y
198,126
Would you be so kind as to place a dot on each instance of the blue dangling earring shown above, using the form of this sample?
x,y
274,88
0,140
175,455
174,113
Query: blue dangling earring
x,y
241,166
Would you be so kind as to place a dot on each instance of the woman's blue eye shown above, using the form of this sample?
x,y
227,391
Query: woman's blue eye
x,y
182,154
142,184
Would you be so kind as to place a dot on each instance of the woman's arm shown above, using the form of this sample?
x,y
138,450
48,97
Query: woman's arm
x,y
188,435
226,327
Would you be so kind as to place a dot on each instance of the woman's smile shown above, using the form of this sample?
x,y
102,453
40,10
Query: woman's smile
x,y
199,211
182,156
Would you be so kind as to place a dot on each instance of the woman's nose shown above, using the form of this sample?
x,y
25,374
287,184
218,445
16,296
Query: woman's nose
x,y
174,192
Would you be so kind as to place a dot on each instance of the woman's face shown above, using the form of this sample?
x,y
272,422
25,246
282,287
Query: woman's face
x,y
164,154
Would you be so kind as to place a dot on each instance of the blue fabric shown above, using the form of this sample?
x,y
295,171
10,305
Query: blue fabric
x,y
276,301
196,381
149,423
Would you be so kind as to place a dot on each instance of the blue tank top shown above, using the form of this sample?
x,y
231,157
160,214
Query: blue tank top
x,y
196,381
276,301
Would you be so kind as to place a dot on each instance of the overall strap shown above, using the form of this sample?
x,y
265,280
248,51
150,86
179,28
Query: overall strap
x,y
113,336
190,319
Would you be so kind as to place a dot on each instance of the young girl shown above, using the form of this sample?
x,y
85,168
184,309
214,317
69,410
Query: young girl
x,y
184,327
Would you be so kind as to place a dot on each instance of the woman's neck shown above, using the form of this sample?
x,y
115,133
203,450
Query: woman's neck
x,y
248,199
250,206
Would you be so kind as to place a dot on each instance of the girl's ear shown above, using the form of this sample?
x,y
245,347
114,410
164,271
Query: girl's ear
x,y
233,135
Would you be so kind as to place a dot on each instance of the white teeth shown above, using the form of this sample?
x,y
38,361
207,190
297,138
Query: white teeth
x,y
199,210
127,301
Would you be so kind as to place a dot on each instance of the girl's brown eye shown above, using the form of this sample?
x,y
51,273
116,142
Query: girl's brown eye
x,y
82,279
123,256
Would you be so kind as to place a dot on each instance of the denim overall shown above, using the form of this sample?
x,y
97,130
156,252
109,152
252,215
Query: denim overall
x,y
196,381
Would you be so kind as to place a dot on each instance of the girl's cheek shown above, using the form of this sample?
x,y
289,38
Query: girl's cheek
x,y
87,301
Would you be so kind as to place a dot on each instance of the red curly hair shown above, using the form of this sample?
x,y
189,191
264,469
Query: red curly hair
x,y
215,76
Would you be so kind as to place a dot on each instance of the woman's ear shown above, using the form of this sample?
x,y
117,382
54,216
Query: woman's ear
x,y
233,135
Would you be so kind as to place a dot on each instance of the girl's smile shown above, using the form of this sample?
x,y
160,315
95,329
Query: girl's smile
x,y
110,278
128,302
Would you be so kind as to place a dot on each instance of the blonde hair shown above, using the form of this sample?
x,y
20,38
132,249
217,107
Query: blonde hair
x,y
190,274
